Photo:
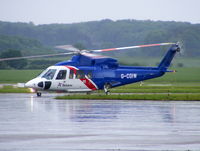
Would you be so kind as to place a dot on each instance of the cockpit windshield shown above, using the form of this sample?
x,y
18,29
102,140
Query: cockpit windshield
x,y
42,73
49,74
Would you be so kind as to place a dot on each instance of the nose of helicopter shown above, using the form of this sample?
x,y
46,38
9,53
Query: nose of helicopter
x,y
38,83
32,83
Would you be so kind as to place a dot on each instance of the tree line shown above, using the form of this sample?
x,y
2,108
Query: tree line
x,y
37,39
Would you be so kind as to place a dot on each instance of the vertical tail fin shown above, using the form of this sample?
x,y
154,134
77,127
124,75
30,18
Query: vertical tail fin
x,y
166,61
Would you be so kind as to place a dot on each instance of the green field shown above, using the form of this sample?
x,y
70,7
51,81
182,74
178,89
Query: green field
x,y
183,76
11,89
185,62
16,76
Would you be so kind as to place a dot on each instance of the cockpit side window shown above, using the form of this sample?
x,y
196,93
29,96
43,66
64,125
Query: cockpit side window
x,y
49,74
61,75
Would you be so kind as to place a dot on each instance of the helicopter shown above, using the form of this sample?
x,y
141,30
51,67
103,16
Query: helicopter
x,y
87,72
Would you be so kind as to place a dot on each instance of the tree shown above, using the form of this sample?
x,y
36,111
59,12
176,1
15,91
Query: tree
x,y
17,64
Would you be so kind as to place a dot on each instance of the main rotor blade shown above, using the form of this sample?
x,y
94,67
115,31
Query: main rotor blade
x,y
67,47
38,56
131,47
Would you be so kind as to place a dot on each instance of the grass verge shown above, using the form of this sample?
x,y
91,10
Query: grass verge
x,y
157,90
162,97
11,89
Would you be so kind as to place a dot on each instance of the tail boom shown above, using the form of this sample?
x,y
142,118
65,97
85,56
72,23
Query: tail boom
x,y
166,61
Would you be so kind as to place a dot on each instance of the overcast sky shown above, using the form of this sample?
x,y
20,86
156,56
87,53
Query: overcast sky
x,y
70,11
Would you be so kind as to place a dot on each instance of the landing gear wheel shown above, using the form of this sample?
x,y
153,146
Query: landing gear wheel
x,y
88,93
39,94
107,86
108,92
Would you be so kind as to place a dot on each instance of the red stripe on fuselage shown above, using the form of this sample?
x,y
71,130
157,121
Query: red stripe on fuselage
x,y
89,84
72,68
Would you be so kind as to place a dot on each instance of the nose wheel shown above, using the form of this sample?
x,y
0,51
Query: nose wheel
x,y
39,94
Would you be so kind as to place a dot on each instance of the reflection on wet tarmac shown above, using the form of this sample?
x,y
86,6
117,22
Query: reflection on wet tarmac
x,y
31,123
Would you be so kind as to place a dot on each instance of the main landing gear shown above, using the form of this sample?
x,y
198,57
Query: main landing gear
x,y
107,86
39,94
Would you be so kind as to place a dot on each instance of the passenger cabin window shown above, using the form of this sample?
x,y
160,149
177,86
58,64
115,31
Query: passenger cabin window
x,y
71,74
89,75
61,75
80,74
49,74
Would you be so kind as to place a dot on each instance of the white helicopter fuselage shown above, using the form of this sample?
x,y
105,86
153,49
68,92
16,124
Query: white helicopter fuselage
x,y
60,78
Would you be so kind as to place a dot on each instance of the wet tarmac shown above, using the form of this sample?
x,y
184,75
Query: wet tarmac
x,y
45,124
